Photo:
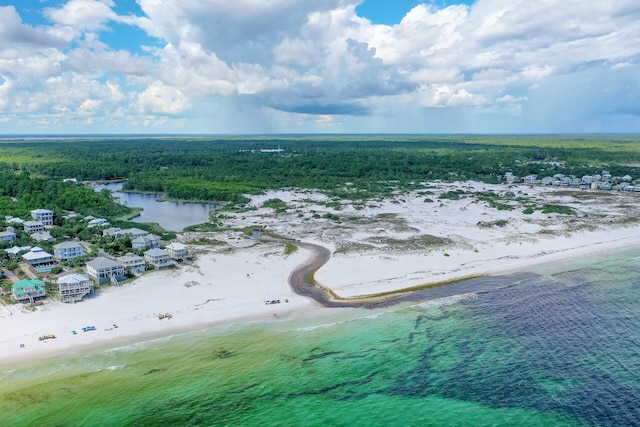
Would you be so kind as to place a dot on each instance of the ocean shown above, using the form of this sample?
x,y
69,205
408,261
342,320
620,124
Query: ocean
x,y
556,346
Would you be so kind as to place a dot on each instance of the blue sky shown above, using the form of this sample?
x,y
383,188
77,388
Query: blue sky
x,y
329,66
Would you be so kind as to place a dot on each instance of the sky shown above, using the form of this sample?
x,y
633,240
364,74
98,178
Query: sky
x,y
319,66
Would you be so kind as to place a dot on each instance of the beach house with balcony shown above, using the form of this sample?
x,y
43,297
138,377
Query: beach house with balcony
x,y
159,258
133,262
67,250
7,236
147,241
74,287
43,216
104,270
178,251
27,290
31,227
39,260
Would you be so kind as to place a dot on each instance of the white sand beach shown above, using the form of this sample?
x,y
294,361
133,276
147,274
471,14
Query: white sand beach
x,y
405,240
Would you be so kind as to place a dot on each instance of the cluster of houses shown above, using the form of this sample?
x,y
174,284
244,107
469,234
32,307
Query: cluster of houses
x,y
602,181
100,270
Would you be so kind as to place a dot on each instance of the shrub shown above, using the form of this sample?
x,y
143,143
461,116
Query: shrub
x,y
559,209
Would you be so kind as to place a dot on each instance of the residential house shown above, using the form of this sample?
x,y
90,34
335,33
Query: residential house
x,y
144,242
39,260
28,290
7,236
15,251
104,270
97,222
133,262
67,250
547,180
31,227
178,251
43,216
510,177
13,220
111,231
133,233
159,258
73,287
43,236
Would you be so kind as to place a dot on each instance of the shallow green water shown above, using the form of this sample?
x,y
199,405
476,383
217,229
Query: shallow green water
x,y
560,347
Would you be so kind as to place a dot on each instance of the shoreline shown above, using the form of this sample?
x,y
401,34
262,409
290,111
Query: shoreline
x,y
379,260
198,313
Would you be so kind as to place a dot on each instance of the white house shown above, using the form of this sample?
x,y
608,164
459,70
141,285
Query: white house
x,y
13,220
159,258
104,270
132,232
16,250
67,250
73,287
43,215
43,236
178,251
7,236
39,260
31,227
133,262
111,231
144,242
97,222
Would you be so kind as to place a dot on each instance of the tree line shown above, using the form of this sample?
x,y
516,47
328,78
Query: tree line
x,y
224,169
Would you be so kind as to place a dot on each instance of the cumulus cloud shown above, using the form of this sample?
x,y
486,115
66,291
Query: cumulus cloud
x,y
301,63
14,33
82,14
162,99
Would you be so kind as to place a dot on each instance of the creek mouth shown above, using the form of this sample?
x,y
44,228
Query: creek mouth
x,y
302,282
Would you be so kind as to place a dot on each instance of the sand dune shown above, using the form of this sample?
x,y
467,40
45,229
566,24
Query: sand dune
x,y
378,246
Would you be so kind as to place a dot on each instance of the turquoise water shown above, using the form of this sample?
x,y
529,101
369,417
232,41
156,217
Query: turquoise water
x,y
558,346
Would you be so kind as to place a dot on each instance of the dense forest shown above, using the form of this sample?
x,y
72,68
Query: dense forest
x,y
225,168
20,192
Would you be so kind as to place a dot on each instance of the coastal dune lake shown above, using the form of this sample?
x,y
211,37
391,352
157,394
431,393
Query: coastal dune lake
x,y
556,346
171,215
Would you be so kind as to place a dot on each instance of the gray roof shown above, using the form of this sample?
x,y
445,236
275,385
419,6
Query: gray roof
x,y
156,252
130,257
177,246
35,255
67,245
73,278
134,231
103,262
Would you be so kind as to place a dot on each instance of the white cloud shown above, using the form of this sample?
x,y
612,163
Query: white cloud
x,y
83,14
162,99
14,33
290,64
